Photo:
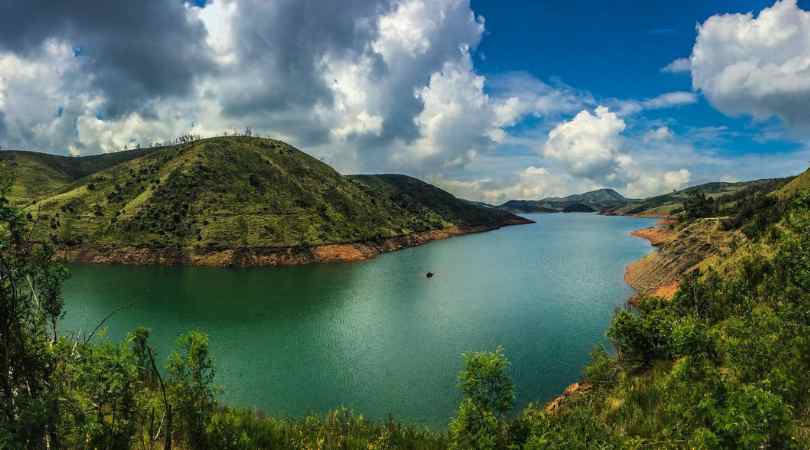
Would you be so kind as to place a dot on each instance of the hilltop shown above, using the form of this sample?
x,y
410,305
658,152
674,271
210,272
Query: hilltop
x,y
592,201
669,204
231,200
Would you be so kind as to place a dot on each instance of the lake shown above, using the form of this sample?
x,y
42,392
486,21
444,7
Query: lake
x,y
378,336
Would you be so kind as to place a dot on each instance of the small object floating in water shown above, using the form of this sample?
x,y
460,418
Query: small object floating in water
x,y
429,274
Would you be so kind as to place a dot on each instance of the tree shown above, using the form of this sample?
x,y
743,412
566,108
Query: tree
x,y
191,379
67,232
697,205
30,300
488,396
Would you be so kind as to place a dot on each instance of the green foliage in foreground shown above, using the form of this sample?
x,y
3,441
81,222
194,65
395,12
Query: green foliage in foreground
x,y
722,366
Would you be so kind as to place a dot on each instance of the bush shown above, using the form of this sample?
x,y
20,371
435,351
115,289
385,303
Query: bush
x,y
488,395
191,376
644,336
575,429
602,370
753,418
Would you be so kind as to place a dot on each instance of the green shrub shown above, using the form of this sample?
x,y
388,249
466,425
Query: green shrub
x,y
488,396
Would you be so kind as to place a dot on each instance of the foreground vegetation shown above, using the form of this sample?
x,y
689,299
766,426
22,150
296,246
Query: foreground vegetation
x,y
723,365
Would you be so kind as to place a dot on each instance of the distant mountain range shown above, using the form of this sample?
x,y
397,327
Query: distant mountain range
x,y
608,201
230,201
593,201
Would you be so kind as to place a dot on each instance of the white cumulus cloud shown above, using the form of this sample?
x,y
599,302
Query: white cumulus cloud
x,y
658,183
756,65
679,65
657,134
591,146
588,144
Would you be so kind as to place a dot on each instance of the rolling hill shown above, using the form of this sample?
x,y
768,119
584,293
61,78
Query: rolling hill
x,y
39,174
592,201
609,202
231,200
669,204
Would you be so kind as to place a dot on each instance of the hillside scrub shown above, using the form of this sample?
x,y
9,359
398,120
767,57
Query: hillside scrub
x,y
705,200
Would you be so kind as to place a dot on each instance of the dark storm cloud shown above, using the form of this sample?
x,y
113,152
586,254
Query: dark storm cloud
x,y
284,41
135,51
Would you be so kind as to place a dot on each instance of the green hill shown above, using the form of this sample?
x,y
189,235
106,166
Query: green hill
x,y
597,200
35,176
226,193
669,204
795,185
40,174
526,206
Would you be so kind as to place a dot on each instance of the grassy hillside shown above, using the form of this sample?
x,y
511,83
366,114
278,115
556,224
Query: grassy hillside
x,y
407,196
35,176
672,203
795,185
40,174
230,192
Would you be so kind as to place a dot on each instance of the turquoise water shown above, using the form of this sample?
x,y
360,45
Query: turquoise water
x,y
378,336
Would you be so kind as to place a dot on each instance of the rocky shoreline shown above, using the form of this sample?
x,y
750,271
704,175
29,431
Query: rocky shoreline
x,y
266,256
678,251
645,275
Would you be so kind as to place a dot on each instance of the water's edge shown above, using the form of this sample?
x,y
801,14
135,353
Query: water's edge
x,y
267,256
581,387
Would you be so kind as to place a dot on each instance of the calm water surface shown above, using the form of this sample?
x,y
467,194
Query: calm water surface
x,y
378,336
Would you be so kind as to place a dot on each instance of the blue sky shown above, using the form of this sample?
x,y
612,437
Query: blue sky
x,y
491,100
616,49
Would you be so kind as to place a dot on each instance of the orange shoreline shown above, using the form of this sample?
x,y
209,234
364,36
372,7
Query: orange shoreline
x,y
657,235
265,256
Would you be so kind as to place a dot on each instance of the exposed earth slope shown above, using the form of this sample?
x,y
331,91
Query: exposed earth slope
x,y
684,245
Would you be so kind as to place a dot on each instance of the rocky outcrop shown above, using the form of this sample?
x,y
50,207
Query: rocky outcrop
x,y
265,256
